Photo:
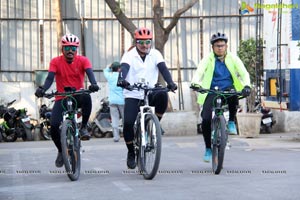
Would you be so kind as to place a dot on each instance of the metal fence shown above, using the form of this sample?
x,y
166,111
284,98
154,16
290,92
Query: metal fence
x,y
29,38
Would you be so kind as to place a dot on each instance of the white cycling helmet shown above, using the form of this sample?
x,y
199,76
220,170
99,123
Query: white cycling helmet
x,y
70,40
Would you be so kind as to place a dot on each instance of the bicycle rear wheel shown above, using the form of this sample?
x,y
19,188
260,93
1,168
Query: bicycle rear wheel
x,y
149,154
218,143
70,145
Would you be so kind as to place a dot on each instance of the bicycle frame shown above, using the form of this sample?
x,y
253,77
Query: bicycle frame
x,y
144,110
71,113
147,134
70,140
219,134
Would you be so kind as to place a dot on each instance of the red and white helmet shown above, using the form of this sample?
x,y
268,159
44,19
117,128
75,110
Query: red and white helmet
x,y
143,34
70,40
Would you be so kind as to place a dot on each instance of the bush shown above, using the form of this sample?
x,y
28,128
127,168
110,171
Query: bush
x,y
247,53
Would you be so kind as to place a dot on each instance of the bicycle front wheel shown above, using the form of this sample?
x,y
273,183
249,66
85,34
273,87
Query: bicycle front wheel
x,y
218,143
70,145
149,154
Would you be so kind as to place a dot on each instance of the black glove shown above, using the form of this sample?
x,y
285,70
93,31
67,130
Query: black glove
x,y
94,88
172,86
246,91
40,91
122,83
195,86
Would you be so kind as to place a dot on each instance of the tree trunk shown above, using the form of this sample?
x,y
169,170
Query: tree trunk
x,y
161,32
59,26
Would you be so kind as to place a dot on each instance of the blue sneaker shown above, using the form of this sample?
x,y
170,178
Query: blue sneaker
x,y
232,128
207,156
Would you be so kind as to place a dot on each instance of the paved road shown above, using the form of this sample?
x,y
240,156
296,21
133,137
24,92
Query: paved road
x,y
253,169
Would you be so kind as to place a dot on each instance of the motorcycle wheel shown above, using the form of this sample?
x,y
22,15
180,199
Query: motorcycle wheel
x,y
12,137
27,134
268,129
45,130
97,132
1,134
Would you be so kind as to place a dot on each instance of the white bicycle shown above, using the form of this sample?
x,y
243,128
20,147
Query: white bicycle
x,y
147,133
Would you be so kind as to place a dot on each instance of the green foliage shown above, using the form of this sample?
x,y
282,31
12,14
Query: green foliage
x,y
247,53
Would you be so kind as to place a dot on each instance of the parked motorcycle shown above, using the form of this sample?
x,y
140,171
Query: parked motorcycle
x,y
16,123
1,129
267,120
45,115
101,126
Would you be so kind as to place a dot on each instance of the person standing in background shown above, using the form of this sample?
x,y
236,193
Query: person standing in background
x,y
116,98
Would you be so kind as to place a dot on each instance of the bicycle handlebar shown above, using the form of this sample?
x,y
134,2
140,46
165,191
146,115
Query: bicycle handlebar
x,y
231,92
66,93
143,86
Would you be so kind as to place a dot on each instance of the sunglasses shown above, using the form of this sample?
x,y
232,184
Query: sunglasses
x,y
68,48
142,42
219,46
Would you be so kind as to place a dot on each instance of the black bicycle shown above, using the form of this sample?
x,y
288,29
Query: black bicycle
x,y
147,133
219,135
69,135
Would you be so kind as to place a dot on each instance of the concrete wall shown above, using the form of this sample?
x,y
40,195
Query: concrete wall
x,y
286,121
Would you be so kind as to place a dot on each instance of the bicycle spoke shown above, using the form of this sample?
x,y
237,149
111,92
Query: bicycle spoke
x,y
71,150
150,153
218,143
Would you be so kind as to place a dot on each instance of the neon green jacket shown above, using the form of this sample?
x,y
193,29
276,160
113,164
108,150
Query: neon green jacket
x,y
205,71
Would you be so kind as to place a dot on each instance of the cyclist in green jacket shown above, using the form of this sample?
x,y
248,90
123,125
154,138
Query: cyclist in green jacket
x,y
226,71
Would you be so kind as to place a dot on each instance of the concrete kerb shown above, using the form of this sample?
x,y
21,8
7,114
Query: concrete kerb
x,y
184,123
180,123
290,140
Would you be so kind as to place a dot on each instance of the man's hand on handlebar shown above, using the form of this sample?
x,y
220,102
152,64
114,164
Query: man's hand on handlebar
x,y
94,88
172,86
195,87
123,83
40,91
246,91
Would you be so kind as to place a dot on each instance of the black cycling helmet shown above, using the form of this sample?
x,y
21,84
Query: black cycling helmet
x,y
218,36
115,66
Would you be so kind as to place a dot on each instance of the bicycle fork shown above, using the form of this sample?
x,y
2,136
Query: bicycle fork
x,y
73,140
215,135
144,111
